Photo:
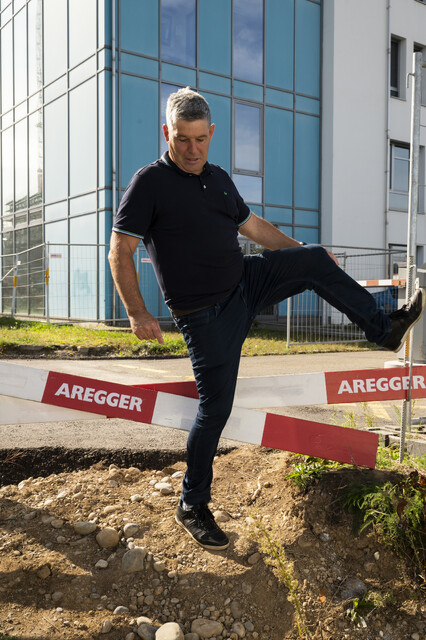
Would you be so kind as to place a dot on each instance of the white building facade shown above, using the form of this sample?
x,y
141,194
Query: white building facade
x,y
366,118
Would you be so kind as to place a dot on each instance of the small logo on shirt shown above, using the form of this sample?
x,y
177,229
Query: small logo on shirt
x,y
225,193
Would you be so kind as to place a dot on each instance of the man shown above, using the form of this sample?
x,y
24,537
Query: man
x,y
188,213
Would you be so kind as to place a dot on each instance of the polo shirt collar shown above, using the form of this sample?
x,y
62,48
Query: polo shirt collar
x,y
165,159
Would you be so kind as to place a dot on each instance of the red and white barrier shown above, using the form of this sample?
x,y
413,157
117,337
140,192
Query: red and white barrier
x,y
336,387
151,405
399,282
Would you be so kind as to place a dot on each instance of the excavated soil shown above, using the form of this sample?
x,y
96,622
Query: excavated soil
x,y
51,589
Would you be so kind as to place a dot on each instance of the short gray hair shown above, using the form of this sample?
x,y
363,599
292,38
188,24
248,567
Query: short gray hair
x,y
186,104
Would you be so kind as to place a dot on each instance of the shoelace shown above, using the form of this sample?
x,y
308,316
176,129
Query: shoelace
x,y
205,516
399,312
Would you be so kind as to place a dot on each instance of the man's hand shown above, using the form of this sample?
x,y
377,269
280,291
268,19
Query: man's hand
x,y
146,327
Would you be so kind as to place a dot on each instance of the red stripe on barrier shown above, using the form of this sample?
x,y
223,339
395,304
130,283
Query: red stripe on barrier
x,y
98,396
186,388
374,384
327,441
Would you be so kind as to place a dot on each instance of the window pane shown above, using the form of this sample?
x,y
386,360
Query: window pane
x,y
401,152
248,40
139,26
57,210
21,244
398,201
166,90
178,31
139,124
35,156
278,156
83,267
7,164
83,138
56,234
400,175
220,146
394,73
249,187
306,159
279,43
21,166
55,39
214,26
308,47
6,264
56,150
247,137
20,51
175,73
279,215
34,46
82,72
82,32
6,67
36,271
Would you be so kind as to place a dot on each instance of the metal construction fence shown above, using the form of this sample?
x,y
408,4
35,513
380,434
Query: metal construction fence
x,y
72,282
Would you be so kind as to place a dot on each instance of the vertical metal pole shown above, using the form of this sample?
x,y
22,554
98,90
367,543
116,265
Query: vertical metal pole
x,y
47,278
413,196
288,321
114,138
15,284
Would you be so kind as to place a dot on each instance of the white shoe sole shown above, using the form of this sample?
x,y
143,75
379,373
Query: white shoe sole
x,y
205,546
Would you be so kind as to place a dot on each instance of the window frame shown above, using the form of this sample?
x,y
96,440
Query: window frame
x,y
395,67
395,145
238,170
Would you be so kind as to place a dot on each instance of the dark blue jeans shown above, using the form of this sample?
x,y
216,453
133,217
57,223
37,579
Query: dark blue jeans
x,y
215,335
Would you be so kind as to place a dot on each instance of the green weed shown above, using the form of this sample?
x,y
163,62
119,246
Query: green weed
x,y
388,458
396,511
308,471
283,569
362,607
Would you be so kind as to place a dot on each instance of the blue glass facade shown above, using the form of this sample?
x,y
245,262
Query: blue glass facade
x,y
257,62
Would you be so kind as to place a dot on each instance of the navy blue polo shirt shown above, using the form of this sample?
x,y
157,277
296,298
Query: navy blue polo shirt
x,y
189,225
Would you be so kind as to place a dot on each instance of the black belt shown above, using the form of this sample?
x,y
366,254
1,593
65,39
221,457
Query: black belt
x,y
178,313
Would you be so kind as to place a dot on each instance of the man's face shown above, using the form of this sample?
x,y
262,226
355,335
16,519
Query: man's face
x,y
189,142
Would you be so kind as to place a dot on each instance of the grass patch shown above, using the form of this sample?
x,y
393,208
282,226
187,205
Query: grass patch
x,y
59,337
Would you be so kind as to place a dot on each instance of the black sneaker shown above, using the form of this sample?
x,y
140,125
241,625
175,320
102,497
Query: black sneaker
x,y
403,319
200,524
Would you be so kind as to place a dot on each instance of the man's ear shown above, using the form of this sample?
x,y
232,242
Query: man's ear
x,y
166,132
212,126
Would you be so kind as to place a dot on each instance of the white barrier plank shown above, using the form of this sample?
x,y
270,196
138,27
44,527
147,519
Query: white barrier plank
x,y
20,381
156,407
19,411
281,391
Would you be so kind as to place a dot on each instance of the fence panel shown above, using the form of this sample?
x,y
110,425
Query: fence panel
x,y
22,282
80,288
310,319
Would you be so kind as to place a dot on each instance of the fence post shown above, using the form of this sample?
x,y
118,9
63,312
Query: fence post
x,y
288,321
15,284
412,229
47,278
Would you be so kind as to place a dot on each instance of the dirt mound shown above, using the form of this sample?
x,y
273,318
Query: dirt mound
x,y
52,585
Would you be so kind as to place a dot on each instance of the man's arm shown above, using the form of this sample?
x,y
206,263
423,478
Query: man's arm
x,y
143,324
264,233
